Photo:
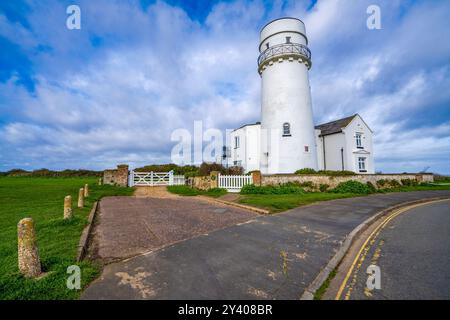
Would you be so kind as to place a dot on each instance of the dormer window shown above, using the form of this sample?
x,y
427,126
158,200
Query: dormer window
x,y
358,138
288,39
267,45
286,129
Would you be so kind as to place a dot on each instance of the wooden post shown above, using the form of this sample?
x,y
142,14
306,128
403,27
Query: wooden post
x,y
81,198
86,190
28,254
68,207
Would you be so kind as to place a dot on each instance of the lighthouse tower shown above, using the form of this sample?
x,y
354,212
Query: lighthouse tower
x,y
287,129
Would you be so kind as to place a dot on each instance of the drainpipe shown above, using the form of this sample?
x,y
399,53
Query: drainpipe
x,y
324,159
342,158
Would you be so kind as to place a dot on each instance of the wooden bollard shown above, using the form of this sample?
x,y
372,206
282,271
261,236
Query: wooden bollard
x,y
81,198
68,207
28,254
86,190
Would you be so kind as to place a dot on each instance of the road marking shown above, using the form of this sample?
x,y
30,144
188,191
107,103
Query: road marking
x,y
379,227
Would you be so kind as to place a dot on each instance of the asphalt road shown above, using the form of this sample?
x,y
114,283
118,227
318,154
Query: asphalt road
x,y
413,254
269,257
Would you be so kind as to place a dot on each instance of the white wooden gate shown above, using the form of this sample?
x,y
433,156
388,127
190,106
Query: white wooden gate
x,y
155,179
233,183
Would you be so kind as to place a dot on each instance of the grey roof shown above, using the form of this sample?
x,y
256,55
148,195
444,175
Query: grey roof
x,y
334,126
248,124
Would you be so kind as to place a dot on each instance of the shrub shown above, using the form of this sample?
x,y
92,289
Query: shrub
x,y
381,183
306,171
336,173
307,184
394,183
409,182
323,187
288,188
352,186
188,169
441,178
371,187
234,170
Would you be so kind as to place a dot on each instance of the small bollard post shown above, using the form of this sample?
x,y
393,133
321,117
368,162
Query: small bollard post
x,y
100,181
68,207
28,254
81,198
86,190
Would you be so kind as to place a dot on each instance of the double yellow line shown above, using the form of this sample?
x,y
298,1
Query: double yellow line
x,y
386,220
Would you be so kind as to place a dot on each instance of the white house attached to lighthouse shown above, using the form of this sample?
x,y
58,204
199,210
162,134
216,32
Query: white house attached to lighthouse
x,y
286,140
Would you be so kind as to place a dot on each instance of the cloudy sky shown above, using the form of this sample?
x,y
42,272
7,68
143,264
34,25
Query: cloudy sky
x,y
114,91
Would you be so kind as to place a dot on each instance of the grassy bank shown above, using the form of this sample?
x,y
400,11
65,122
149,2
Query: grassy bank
x,y
281,202
42,199
188,191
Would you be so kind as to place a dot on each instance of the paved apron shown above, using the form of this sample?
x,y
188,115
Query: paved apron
x,y
270,257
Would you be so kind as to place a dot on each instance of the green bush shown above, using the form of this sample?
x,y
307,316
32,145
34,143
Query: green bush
x,y
306,171
336,173
409,182
307,184
288,188
352,186
371,187
324,187
381,183
394,183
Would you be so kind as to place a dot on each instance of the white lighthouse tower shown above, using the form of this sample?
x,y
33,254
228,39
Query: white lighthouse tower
x,y
287,129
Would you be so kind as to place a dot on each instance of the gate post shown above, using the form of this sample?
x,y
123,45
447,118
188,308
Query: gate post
x,y
171,178
151,178
214,179
131,179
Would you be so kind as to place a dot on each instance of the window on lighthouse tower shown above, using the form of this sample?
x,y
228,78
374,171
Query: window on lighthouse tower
x,y
286,129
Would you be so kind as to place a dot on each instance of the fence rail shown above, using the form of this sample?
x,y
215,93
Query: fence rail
x,y
154,179
233,183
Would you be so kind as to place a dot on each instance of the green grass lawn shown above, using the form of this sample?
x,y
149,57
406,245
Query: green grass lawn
x,y
281,202
42,199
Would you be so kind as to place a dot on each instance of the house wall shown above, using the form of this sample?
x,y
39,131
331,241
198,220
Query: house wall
x,y
249,145
352,153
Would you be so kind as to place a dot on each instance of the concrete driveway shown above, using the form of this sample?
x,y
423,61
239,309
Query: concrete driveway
x,y
128,226
270,257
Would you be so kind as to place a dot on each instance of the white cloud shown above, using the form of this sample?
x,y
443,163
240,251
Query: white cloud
x,y
156,70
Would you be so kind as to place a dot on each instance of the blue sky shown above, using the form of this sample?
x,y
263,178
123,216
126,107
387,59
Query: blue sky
x,y
114,91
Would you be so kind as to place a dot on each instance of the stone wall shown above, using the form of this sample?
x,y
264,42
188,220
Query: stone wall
x,y
332,182
117,176
204,182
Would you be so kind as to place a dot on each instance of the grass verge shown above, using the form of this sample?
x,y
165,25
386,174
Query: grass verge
x,y
42,199
281,202
318,295
188,191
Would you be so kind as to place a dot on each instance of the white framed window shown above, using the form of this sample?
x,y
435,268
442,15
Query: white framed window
x,y
286,129
358,139
362,164
236,142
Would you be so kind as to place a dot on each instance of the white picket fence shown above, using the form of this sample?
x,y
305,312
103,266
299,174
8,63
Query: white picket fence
x,y
151,179
233,183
